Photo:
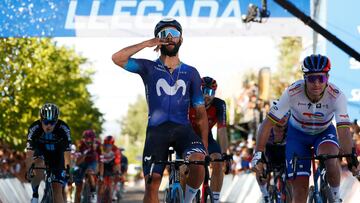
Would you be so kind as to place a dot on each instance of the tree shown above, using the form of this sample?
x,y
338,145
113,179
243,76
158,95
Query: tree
x,y
133,128
288,69
34,71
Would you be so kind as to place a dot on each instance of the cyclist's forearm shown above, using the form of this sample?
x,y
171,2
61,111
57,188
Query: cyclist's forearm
x,y
67,157
223,139
80,159
345,139
101,169
203,124
263,135
29,158
121,57
117,168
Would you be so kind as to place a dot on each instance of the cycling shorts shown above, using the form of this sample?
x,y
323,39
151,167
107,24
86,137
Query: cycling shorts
x,y
160,138
83,167
300,143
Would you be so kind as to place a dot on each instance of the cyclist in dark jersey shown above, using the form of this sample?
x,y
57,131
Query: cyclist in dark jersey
x,y
274,153
49,141
171,87
216,113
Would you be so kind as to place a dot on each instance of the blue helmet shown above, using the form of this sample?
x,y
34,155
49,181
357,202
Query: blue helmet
x,y
167,22
316,64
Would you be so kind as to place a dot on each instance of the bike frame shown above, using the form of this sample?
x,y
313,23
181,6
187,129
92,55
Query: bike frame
x,y
48,181
206,186
279,182
174,178
319,172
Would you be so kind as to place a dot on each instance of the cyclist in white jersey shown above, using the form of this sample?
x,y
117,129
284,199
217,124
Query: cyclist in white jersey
x,y
314,103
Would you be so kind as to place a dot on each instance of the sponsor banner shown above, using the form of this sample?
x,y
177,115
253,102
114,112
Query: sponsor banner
x,y
137,17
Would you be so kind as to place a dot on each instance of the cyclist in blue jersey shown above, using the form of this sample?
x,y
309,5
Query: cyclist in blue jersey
x,y
171,86
313,103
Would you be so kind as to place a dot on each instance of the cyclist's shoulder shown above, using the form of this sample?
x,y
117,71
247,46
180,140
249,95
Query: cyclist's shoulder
x,y
217,101
36,125
35,129
140,63
116,149
187,67
62,126
142,60
296,87
333,90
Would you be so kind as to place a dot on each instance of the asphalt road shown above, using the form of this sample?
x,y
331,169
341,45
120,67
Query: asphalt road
x,y
136,195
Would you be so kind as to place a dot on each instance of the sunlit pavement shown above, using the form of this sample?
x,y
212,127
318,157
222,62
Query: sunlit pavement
x,y
135,192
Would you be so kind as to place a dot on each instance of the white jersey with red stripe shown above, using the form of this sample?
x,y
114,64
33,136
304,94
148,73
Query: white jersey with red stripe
x,y
311,118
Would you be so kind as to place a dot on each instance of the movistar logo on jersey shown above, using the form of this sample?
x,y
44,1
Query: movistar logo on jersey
x,y
162,84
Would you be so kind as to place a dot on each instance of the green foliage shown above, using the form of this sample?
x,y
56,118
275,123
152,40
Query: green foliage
x,y
34,71
133,129
289,71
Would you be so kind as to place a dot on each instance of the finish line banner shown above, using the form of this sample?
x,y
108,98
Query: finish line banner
x,y
136,18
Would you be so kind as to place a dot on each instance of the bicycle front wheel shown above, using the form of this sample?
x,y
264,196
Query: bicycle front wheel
x,y
197,198
86,193
177,196
273,194
326,194
208,196
48,194
311,195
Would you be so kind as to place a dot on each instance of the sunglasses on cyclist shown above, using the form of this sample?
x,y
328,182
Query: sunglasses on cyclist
x,y
107,145
208,91
163,34
47,122
314,78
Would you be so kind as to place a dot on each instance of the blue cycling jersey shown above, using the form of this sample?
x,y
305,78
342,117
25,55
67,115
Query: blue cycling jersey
x,y
169,95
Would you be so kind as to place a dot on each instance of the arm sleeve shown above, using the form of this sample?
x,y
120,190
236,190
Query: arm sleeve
x,y
30,136
196,95
117,157
221,114
278,111
67,137
136,66
341,114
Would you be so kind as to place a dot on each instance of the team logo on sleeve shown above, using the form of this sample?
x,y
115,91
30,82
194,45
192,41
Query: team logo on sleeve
x,y
344,116
294,90
170,90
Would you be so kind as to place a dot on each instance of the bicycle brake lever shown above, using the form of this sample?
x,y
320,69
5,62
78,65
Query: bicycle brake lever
x,y
294,160
152,160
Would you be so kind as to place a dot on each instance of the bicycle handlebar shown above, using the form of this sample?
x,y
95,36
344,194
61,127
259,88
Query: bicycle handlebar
x,y
179,162
30,173
322,158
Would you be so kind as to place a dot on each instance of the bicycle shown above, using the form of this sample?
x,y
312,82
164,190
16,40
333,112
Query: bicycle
x,y
48,191
324,194
86,194
119,188
110,182
206,194
174,192
279,191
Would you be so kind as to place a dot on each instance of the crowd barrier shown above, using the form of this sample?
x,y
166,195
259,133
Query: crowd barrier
x,y
13,191
241,188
